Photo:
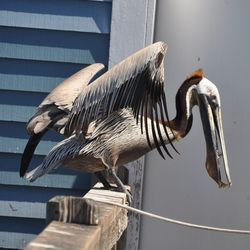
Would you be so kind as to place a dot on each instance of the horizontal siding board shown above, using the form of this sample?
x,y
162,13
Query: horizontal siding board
x,y
42,53
28,83
38,68
23,209
43,43
11,162
14,130
48,38
34,194
8,248
16,232
18,130
80,181
46,21
18,224
80,16
17,145
14,240
16,113
26,99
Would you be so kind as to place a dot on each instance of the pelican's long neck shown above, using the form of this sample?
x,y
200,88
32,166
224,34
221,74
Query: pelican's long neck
x,y
185,100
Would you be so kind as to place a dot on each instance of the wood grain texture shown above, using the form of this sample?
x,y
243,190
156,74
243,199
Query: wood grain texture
x,y
112,221
78,210
70,209
59,235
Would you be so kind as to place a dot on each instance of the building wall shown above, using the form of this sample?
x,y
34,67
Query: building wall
x,y
41,44
214,35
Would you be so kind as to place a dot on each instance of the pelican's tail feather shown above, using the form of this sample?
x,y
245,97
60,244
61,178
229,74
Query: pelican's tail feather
x,y
35,173
29,151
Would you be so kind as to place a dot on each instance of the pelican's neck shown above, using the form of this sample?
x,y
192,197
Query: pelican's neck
x,y
185,100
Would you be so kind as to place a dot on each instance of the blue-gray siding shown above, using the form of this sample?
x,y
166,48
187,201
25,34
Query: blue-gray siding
x,y
41,43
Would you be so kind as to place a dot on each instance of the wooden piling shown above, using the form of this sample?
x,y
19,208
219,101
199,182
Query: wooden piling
x,y
82,223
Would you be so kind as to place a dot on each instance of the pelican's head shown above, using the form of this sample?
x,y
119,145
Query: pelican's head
x,y
208,100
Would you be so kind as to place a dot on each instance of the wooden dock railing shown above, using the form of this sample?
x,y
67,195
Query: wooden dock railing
x,y
82,223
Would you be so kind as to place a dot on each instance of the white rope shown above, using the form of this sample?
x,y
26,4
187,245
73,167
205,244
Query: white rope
x,y
182,223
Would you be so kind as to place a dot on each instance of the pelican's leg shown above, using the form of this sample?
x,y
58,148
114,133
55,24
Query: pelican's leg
x,y
108,162
101,177
120,186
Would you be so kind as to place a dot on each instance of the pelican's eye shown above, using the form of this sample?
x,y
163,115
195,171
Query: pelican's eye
x,y
213,101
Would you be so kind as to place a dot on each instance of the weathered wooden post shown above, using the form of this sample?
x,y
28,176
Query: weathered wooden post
x,y
82,223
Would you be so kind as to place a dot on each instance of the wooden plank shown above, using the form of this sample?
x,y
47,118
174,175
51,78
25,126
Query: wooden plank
x,y
16,145
23,209
13,240
43,53
46,21
17,129
16,113
52,38
63,43
77,181
108,221
28,83
79,16
52,209
38,68
21,98
72,210
35,194
18,225
64,19
21,19
112,221
59,235
61,207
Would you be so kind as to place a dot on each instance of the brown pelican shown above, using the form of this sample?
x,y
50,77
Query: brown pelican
x,y
52,113
122,115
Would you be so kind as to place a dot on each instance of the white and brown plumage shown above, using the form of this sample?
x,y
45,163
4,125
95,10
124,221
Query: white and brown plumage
x,y
52,113
123,114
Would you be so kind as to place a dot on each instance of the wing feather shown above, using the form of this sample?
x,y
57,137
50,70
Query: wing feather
x,y
137,82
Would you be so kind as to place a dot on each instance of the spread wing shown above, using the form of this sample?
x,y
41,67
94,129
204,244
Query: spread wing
x,y
66,92
136,82
59,101
52,113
